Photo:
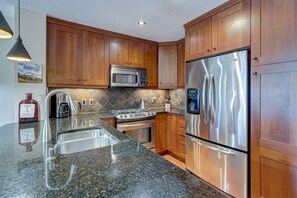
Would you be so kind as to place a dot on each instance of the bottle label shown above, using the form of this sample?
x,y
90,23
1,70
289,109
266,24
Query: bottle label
x,y
27,110
27,135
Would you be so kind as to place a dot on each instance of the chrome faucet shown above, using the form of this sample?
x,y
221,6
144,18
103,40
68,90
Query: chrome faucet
x,y
46,126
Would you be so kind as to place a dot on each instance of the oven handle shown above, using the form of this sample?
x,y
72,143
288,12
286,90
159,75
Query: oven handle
x,y
135,125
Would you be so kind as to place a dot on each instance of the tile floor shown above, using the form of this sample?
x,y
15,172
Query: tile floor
x,y
175,161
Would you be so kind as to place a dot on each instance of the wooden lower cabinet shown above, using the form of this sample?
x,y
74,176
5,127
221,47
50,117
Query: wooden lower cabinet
x,y
274,130
110,121
170,135
161,135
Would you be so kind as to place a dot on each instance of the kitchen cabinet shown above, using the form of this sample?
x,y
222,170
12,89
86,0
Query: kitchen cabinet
x,y
231,28
274,34
181,133
126,53
64,55
198,40
76,58
171,133
109,121
151,64
181,64
95,59
161,134
167,66
273,130
224,29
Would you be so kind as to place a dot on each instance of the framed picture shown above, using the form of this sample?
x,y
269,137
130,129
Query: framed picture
x,y
29,73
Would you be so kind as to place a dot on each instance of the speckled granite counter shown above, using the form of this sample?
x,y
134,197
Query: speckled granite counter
x,y
172,110
126,169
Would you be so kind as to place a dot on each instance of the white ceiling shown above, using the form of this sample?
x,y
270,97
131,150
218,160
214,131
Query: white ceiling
x,y
165,18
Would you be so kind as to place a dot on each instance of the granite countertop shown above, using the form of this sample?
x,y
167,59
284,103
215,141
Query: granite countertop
x,y
126,169
172,110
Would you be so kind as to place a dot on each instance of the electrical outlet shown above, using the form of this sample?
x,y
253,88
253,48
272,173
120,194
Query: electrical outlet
x,y
83,102
154,100
91,123
91,102
83,123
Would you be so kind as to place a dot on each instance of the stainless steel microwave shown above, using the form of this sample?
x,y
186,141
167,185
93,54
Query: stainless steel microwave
x,y
122,76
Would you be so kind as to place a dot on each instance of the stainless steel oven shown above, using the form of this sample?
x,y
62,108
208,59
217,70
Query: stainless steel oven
x,y
142,131
121,76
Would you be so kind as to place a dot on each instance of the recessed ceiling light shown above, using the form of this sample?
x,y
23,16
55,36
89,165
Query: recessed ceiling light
x,y
141,22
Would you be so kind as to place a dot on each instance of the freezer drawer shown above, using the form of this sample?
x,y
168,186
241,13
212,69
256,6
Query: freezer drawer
x,y
221,167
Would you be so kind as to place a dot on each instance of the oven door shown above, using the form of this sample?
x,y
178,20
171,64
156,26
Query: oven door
x,y
124,78
141,131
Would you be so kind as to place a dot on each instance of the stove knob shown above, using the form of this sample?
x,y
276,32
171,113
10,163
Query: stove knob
x,y
125,116
121,116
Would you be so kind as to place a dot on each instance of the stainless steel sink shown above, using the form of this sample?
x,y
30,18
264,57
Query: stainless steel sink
x,y
78,141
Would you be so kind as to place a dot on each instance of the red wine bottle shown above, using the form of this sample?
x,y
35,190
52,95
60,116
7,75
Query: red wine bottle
x,y
28,109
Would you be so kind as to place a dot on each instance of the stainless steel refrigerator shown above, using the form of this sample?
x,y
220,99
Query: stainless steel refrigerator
x,y
217,121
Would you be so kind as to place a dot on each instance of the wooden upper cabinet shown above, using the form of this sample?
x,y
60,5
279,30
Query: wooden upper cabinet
x,y
231,28
161,135
119,51
151,64
167,66
223,29
95,59
136,54
64,55
181,65
198,40
126,53
274,35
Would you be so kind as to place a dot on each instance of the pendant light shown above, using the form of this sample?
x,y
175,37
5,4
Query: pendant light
x,y
5,30
18,52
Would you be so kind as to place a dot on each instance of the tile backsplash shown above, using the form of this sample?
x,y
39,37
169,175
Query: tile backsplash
x,y
125,98
177,97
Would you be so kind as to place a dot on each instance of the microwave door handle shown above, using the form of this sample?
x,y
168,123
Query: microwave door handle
x,y
137,79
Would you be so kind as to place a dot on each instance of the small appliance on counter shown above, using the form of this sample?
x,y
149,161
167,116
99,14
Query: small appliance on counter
x,y
28,109
59,106
167,103
143,103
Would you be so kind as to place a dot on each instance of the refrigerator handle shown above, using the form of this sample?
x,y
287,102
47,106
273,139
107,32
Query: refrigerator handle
x,y
204,107
212,98
212,148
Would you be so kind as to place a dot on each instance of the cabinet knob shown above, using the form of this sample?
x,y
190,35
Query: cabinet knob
x,y
85,80
255,73
130,63
126,63
214,49
208,50
255,58
78,80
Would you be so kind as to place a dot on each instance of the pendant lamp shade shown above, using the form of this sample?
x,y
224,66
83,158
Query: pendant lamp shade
x,y
18,52
5,30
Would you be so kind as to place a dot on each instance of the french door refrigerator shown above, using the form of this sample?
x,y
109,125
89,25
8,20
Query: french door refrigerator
x,y
217,121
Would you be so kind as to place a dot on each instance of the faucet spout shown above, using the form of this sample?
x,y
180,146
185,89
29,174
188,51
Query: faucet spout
x,y
46,127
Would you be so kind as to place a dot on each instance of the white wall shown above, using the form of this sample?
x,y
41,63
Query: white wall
x,y
33,34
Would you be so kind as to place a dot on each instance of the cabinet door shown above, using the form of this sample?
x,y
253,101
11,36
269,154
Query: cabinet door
x,y
171,133
198,40
96,59
151,64
136,54
64,55
231,28
273,130
110,121
119,50
274,35
167,66
181,65
161,137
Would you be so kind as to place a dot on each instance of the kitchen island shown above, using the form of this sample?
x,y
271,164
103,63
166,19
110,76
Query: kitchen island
x,y
126,169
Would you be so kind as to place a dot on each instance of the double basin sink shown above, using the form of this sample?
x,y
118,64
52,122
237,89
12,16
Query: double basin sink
x,y
83,140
